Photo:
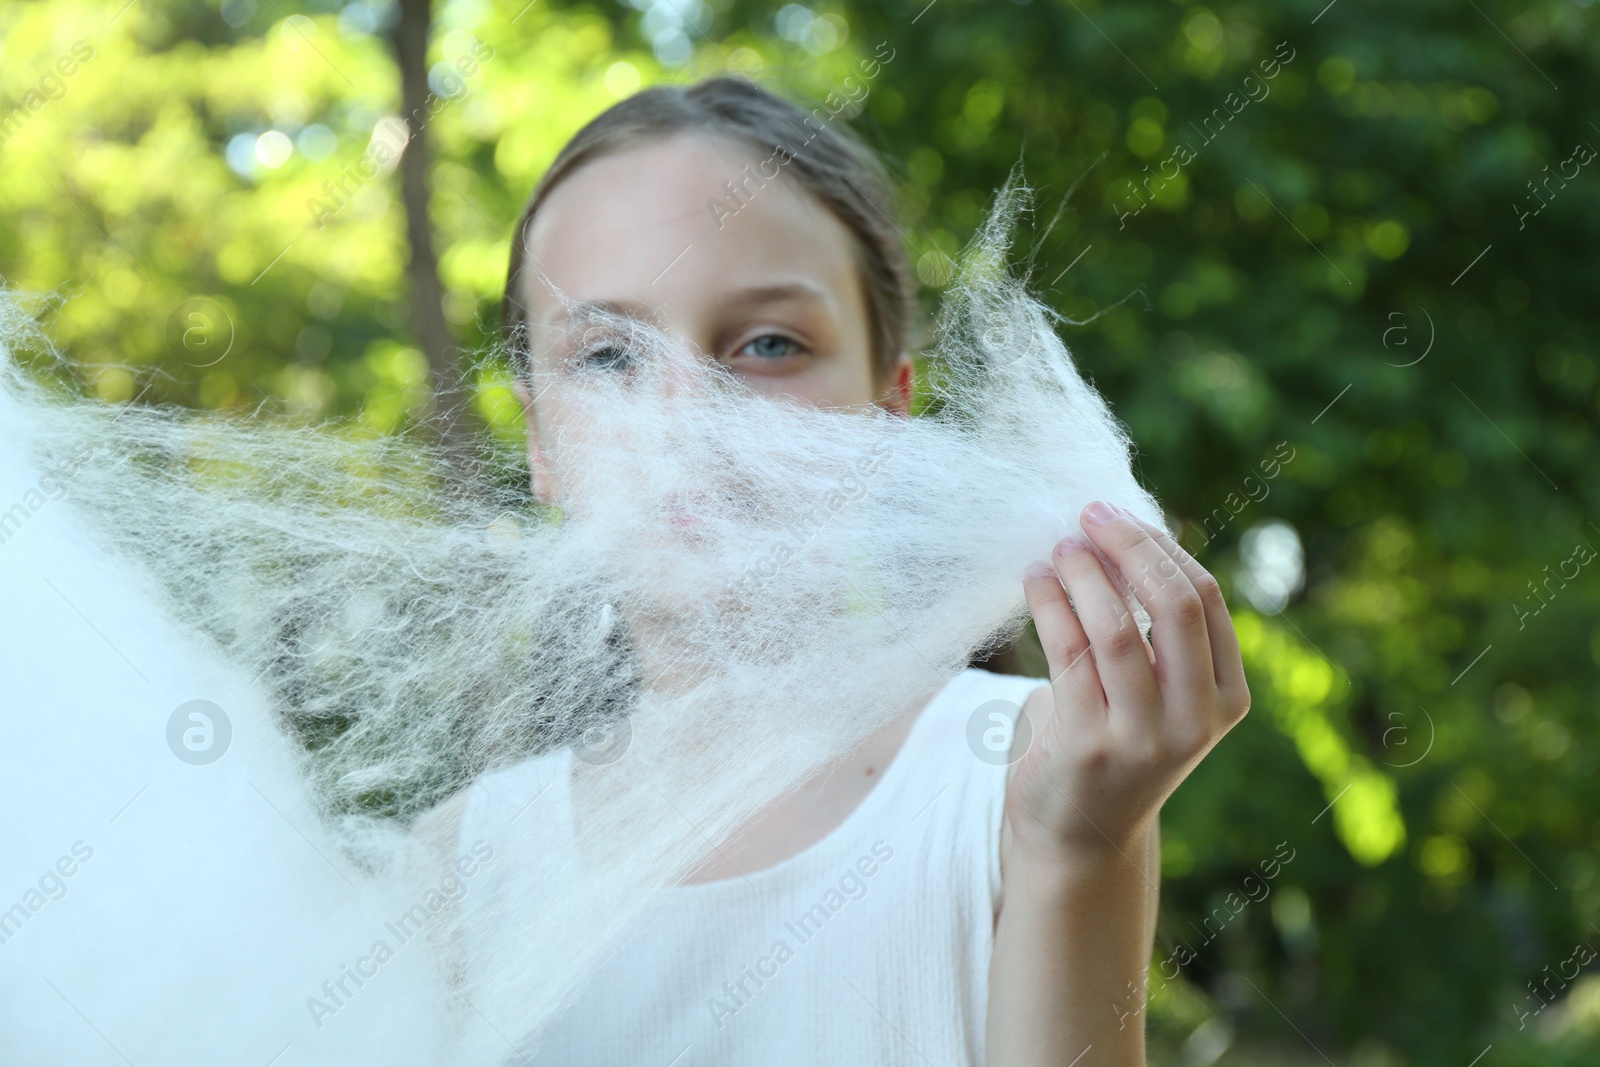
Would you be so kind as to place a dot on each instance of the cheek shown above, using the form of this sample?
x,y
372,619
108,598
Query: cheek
x,y
855,375
838,381
570,421
851,379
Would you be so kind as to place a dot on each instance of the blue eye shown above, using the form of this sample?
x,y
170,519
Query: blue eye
x,y
771,346
608,357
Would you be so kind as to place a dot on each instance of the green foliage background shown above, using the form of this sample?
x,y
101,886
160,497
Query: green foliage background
x,y
1424,728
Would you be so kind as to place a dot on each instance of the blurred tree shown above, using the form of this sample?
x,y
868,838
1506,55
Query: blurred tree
x,y
412,32
1332,263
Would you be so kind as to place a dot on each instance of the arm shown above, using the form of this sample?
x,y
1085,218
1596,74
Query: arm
x,y
1152,869
1072,948
1121,725
1109,914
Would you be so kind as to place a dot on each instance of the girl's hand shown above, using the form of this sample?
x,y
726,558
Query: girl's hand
x,y
1129,721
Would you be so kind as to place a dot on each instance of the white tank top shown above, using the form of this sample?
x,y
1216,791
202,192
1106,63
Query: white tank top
x,y
870,947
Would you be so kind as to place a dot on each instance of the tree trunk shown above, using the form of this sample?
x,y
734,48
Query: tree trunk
x,y
447,412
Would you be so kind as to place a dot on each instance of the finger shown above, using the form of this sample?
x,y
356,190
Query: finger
x,y
1225,657
1178,618
1132,694
1073,678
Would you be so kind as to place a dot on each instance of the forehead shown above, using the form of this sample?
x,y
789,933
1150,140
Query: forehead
x,y
670,223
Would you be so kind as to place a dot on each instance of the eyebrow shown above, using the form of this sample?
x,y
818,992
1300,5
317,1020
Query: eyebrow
x,y
745,296
772,294
630,309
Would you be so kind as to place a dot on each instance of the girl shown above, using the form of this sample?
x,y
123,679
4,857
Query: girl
x,y
912,903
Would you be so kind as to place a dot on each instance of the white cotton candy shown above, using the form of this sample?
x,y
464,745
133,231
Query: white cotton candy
x,y
737,588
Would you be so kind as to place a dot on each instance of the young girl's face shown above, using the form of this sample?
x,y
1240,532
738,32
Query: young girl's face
x,y
769,287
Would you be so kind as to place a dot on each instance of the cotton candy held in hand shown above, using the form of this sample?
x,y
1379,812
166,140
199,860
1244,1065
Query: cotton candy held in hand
x,y
253,665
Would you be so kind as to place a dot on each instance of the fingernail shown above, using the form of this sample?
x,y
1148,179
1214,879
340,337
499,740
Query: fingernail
x,y
1125,513
1099,512
1070,544
1038,569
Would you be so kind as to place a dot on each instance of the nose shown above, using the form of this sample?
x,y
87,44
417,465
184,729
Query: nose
x,y
682,371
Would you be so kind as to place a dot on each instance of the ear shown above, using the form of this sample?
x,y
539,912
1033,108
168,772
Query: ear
x,y
902,378
539,474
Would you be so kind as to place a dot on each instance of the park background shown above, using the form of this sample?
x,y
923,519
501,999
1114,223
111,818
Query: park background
x,y
1350,323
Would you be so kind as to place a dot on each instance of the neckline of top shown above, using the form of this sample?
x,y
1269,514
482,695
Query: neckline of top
x,y
818,850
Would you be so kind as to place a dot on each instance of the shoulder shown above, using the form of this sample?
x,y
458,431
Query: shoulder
x,y
989,715
976,686
1012,705
987,681
1000,715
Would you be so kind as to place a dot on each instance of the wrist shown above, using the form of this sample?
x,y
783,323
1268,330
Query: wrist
x,y
1055,867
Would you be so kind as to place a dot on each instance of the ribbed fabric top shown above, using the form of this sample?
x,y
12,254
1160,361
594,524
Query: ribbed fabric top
x,y
869,947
